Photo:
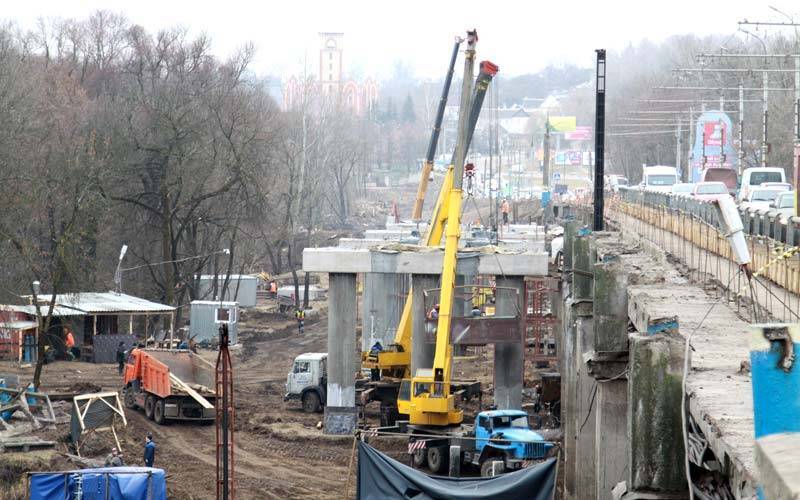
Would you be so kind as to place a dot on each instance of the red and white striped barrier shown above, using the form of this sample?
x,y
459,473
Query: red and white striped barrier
x,y
414,446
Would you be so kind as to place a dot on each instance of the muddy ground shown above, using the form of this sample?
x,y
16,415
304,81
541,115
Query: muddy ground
x,y
280,452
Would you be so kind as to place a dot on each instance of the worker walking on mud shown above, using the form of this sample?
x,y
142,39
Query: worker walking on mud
x,y
121,357
504,209
149,451
300,314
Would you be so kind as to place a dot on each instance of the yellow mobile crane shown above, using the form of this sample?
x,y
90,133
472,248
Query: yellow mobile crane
x,y
427,398
395,361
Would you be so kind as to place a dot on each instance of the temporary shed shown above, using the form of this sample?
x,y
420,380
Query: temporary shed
x,y
206,316
100,326
19,331
241,288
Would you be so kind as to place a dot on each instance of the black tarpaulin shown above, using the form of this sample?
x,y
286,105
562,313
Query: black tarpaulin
x,y
381,477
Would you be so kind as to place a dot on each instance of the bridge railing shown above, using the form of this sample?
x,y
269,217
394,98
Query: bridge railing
x,y
757,223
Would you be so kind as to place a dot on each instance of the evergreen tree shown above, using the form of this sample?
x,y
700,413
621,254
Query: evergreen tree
x,y
408,115
391,112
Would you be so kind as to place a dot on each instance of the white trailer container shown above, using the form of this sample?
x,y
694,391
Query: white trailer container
x,y
241,288
206,316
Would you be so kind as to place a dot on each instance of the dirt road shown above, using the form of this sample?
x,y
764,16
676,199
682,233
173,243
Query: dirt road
x,y
279,451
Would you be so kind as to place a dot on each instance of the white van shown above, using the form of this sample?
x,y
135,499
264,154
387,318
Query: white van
x,y
659,178
754,177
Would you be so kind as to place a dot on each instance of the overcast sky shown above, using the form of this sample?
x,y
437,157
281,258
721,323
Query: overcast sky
x,y
520,36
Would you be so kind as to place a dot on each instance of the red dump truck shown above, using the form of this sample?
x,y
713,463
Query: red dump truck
x,y
169,384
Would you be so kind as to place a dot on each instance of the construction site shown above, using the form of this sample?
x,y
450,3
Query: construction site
x,y
591,340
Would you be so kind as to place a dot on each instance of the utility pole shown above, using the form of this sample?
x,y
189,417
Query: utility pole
x,y
678,148
741,130
765,112
599,139
546,150
690,164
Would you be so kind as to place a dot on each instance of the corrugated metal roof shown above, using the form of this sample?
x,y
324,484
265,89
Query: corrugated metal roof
x,y
19,325
233,277
31,310
106,302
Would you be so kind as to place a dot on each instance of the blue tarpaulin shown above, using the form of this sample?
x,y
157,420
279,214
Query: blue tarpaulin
x,y
109,483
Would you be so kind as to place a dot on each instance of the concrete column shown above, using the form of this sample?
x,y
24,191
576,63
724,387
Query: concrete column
x,y
509,357
384,296
421,351
654,413
585,413
570,230
610,435
610,307
610,310
569,386
585,395
340,412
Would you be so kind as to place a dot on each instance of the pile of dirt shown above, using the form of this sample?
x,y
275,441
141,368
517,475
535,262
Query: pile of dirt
x,y
13,468
84,388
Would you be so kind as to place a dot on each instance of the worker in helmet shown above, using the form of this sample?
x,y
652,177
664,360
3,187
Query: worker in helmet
x,y
504,209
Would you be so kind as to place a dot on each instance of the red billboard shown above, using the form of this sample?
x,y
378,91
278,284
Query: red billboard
x,y
714,133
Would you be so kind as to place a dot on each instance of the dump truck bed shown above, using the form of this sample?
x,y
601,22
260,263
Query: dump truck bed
x,y
185,366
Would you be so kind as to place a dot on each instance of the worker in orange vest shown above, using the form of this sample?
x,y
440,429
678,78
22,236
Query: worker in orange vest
x,y
69,341
504,208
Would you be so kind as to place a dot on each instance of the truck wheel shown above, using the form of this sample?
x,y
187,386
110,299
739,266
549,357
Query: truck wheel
x,y
311,402
149,406
158,412
437,460
420,458
486,467
130,400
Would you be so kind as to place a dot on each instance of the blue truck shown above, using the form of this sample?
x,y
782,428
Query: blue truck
x,y
500,441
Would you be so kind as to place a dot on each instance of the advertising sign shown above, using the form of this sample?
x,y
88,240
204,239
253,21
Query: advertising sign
x,y
713,144
562,123
580,134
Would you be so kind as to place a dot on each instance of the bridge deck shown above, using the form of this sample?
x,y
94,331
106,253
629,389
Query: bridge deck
x,y
720,397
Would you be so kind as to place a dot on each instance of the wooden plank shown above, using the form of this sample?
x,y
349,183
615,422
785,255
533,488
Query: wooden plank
x,y
194,394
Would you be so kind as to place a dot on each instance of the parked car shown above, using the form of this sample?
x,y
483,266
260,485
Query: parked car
x,y
784,203
761,198
709,191
683,188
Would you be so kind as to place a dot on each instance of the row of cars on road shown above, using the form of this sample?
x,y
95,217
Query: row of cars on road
x,y
760,188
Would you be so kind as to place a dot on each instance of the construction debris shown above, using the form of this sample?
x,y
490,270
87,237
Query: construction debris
x,y
12,444
100,411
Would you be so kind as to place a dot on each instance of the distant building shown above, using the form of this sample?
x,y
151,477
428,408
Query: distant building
x,y
354,95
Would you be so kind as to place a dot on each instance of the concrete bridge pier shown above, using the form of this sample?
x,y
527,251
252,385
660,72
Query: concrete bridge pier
x,y
609,368
341,415
382,306
509,357
585,410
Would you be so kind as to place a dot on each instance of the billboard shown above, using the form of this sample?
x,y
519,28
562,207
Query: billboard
x,y
580,134
713,144
562,123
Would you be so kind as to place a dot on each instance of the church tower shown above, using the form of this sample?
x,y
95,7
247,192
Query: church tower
x,y
330,62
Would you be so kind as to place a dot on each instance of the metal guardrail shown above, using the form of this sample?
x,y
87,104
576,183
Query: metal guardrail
x,y
757,223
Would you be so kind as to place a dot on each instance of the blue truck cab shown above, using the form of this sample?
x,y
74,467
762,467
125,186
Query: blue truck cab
x,y
504,436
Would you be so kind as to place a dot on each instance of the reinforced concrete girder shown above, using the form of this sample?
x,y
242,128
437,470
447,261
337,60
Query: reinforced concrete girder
x,y
422,261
